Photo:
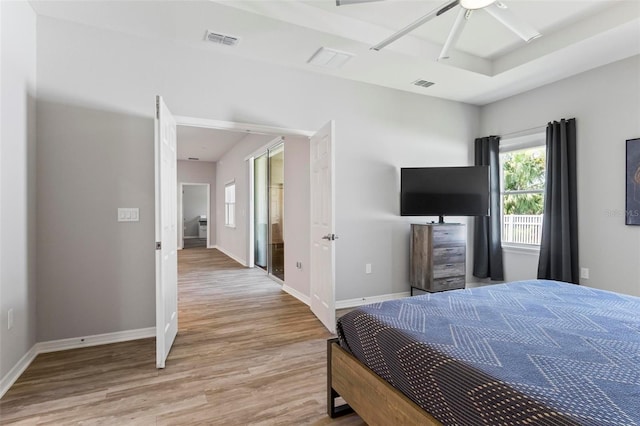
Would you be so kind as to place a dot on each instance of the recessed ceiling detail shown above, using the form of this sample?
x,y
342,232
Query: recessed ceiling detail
x,y
488,62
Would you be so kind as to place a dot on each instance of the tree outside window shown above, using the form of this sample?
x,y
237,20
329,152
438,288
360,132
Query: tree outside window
x,y
523,179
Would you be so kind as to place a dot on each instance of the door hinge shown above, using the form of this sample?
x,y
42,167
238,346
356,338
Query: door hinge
x,y
158,108
158,245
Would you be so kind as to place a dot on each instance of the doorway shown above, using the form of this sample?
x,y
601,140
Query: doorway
x,y
321,266
268,211
194,215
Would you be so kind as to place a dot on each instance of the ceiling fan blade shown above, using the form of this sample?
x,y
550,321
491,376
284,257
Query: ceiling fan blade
x,y
454,34
346,2
525,31
415,24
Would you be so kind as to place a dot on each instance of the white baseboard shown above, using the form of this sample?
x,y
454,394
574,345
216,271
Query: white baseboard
x,y
73,343
10,378
298,295
352,303
231,255
95,340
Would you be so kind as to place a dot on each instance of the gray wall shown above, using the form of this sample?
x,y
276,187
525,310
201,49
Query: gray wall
x,y
606,105
202,172
17,182
97,139
95,274
297,213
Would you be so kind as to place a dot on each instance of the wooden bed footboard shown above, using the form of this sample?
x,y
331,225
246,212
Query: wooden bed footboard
x,y
371,397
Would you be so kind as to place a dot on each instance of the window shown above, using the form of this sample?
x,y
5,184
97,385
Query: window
x,y
522,185
230,204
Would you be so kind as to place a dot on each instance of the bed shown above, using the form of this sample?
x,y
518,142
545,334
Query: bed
x,y
530,352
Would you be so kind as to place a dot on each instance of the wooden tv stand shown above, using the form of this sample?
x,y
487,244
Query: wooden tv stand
x,y
437,256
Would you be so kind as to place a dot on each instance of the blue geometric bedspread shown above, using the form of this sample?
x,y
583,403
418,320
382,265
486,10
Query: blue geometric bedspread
x,y
528,352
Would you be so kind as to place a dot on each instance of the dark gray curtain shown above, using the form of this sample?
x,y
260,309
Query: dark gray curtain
x,y
487,241
559,244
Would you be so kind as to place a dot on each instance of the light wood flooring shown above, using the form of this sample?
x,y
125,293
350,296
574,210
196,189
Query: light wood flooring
x,y
246,353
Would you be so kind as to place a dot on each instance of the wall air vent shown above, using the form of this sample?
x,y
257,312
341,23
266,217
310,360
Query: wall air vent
x,y
194,158
218,38
423,83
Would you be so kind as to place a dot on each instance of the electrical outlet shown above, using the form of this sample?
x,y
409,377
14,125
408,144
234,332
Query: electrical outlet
x,y
367,268
10,319
584,273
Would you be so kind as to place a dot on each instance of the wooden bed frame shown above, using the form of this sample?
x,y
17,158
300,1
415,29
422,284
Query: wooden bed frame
x,y
371,397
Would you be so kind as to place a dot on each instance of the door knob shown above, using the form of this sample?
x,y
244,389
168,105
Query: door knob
x,y
330,237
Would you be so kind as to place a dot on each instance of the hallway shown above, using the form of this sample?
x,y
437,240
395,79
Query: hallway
x,y
246,353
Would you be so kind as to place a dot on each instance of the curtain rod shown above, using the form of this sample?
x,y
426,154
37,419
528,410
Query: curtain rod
x,y
525,131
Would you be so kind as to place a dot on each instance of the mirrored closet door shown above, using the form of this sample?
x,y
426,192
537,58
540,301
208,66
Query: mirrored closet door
x,y
269,211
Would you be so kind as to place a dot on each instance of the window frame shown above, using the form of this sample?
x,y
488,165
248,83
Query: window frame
x,y
230,205
515,144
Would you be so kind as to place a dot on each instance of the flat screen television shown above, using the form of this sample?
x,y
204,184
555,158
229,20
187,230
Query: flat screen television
x,y
444,191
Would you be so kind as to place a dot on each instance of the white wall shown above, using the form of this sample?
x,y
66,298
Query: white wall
x,y
233,167
606,104
17,182
202,172
97,109
519,264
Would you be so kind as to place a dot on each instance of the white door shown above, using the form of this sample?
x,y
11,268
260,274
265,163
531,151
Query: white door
x,y
166,233
322,227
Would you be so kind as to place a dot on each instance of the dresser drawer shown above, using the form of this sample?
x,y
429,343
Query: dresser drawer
x,y
449,255
438,256
448,270
448,236
444,284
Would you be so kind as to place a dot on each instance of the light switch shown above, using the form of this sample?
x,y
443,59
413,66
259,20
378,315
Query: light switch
x,y
128,214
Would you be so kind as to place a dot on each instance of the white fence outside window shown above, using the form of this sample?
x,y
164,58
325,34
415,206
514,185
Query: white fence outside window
x,y
522,229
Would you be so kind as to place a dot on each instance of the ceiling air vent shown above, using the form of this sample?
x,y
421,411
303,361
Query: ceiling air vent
x,y
218,38
329,58
423,83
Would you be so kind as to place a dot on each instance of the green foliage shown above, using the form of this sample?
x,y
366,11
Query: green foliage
x,y
523,204
524,170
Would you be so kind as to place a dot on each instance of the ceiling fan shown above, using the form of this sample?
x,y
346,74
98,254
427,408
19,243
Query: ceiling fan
x,y
495,8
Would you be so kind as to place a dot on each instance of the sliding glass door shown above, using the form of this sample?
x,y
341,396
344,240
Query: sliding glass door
x,y
269,211
276,211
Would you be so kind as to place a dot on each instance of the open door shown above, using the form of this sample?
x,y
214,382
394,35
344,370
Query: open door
x,y
322,227
166,232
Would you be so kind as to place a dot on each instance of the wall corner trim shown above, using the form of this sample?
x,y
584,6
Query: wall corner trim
x,y
352,303
73,343
297,294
